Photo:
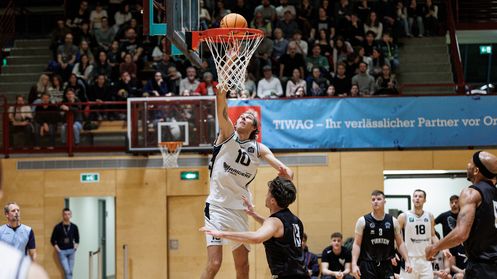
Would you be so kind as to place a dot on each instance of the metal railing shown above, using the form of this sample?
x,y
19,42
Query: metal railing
x,y
97,253
454,48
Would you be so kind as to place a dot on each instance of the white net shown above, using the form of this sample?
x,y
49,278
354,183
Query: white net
x,y
232,51
170,153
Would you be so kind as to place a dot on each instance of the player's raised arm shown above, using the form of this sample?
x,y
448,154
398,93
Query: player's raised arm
x,y
268,156
225,124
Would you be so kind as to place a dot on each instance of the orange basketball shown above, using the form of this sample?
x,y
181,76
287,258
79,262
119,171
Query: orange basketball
x,y
233,21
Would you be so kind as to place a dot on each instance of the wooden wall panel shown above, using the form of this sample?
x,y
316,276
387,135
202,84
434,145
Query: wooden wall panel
x,y
361,173
67,183
141,222
178,187
408,160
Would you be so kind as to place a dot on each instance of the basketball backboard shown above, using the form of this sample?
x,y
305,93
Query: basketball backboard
x,y
183,16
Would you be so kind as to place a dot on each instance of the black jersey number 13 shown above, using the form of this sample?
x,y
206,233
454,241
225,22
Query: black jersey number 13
x,y
243,158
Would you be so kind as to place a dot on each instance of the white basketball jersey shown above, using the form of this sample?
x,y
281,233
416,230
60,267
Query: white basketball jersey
x,y
417,233
233,166
438,262
13,264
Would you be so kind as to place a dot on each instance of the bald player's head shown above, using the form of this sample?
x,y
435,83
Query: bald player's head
x,y
482,166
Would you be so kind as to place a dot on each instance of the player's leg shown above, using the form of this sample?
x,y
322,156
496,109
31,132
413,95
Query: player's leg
x,y
368,270
214,260
240,255
424,269
414,272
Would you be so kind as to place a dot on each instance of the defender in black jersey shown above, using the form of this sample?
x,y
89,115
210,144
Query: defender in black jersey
x,y
281,232
374,244
477,220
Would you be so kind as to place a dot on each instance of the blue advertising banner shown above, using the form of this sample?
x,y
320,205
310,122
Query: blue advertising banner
x,y
367,123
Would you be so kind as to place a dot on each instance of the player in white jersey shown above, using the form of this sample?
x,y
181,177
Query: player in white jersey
x,y
233,167
419,232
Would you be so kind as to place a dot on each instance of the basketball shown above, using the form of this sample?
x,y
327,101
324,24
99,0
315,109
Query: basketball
x,y
233,21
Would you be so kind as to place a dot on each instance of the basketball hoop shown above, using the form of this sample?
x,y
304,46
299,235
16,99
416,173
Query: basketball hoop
x,y
170,151
231,49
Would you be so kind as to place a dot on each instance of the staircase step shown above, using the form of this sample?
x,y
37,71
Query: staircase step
x,y
427,68
19,77
6,87
25,68
29,51
433,50
428,90
424,41
424,77
32,43
32,59
420,58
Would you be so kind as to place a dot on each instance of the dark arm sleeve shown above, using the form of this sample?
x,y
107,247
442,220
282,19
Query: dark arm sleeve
x,y
31,241
438,220
314,265
53,239
76,234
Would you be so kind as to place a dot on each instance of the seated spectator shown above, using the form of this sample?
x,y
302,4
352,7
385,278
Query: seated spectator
x,y
267,11
220,11
125,88
250,86
386,83
164,64
431,18
258,22
330,91
77,86
295,83
302,46
352,64
57,37
208,87
101,92
96,17
123,15
290,61
415,12
190,82
66,56
262,55
386,13
269,86
244,8
104,35
322,22
75,20
355,31
354,90
114,58
374,25
317,60
369,44
45,122
341,50
288,25
305,14
128,65
101,67
335,259
390,51
343,9
300,92
155,87
316,84
283,8
378,61
71,105
56,89
21,118
86,35
364,80
310,260
341,81
83,68
323,41
131,45
173,80
402,18
204,16
363,9
40,88
84,48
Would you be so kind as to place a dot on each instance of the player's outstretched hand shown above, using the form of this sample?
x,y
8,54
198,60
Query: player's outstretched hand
x,y
284,173
356,272
430,253
447,253
249,207
211,232
408,267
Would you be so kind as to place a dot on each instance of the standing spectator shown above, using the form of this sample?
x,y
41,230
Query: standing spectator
x,y
20,122
66,56
190,82
269,86
16,234
364,80
316,85
208,87
268,11
128,65
45,122
310,260
96,17
155,87
386,84
295,83
71,105
83,69
415,13
390,51
104,35
341,81
56,89
65,240
290,61
283,8
280,45
448,219
75,20
317,60
122,16
288,25
57,37
374,25
431,18
335,259
41,87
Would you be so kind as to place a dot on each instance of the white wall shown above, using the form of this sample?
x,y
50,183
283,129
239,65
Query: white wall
x,y
111,235
438,191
